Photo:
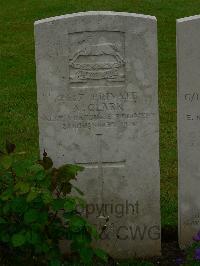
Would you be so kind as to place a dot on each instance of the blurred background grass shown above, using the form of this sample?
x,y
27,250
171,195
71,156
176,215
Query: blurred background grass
x,y
18,107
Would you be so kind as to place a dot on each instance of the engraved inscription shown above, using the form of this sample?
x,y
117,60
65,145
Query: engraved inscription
x,y
194,219
191,97
98,107
96,56
98,95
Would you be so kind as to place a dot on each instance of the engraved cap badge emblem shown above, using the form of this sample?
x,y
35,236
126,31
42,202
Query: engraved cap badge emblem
x,y
98,61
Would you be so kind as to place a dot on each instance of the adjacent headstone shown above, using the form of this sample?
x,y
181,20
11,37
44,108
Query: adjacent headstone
x,y
188,62
98,107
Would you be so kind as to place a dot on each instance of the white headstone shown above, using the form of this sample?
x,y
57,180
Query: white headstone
x,y
98,107
188,62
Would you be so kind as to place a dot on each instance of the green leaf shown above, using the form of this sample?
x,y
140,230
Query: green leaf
x,y
47,163
69,215
66,188
101,254
4,237
37,172
76,223
33,237
28,237
7,194
10,147
32,195
31,216
21,167
40,175
6,161
82,239
76,167
37,227
81,202
45,247
18,239
68,172
70,204
55,262
92,230
47,197
35,168
6,177
43,218
86,254
23,187
58,204
2,220
18,205
46,182
6,208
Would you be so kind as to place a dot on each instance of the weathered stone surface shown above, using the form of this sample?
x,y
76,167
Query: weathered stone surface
x,y
188,62
98,107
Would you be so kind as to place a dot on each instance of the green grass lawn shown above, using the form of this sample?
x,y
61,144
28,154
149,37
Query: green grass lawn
x,y
18,109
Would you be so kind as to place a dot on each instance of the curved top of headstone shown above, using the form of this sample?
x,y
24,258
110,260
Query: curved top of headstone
x,y
188,19
94,13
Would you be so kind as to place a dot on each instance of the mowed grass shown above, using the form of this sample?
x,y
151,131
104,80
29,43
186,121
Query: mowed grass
x,y
18,107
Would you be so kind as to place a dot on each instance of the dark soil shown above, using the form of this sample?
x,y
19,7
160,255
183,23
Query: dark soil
x,y
170,248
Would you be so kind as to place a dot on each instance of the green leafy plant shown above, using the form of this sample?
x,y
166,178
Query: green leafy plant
x,y
37,210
